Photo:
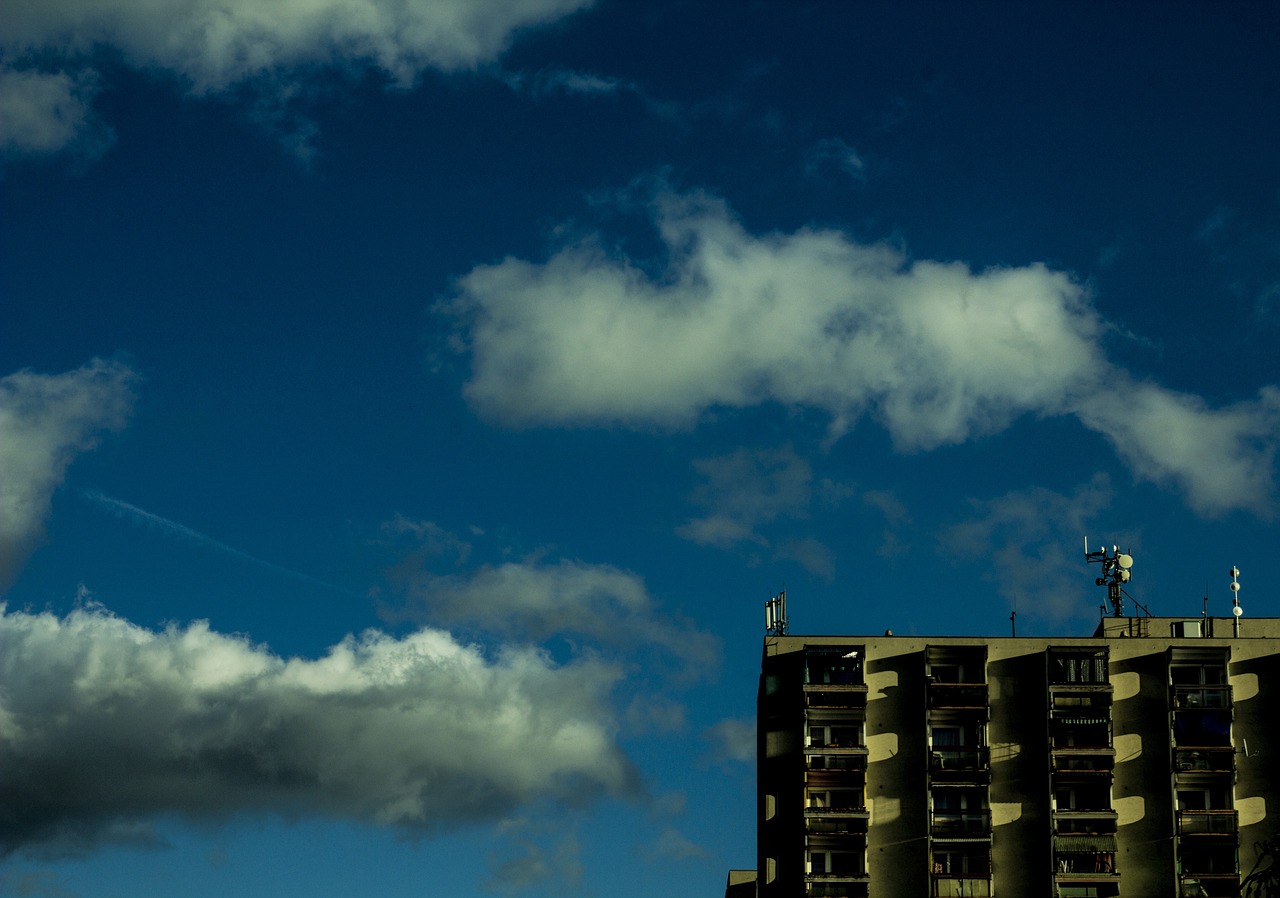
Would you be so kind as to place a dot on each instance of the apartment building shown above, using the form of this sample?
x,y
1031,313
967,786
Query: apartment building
x,y
1139,761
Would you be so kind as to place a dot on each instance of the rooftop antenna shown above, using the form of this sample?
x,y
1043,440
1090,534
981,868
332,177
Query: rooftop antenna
x,y
1116,569
775,615
1013,618
1236,610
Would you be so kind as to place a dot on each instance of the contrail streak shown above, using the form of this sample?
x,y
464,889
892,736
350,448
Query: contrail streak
x,y
142,516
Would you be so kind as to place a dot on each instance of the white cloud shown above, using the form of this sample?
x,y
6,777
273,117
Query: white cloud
x,y
535,601
104,724
214,44
1220,458
810,318
46,420
45,112
565,81
733,739
935,351
1032,541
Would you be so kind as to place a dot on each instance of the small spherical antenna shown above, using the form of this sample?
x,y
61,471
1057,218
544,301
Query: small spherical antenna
x,y
1234,586
1237,610
1125,561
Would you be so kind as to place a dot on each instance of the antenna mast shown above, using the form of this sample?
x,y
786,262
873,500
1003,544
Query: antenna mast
x,y
1236,610
775,615
1116,567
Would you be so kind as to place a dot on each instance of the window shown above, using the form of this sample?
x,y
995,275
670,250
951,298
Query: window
x,y
1197,675
945,737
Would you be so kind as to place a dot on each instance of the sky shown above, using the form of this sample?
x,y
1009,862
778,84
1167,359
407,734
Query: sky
x,y
407,408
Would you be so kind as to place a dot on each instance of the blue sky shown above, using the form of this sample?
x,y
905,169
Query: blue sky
x,y
407,408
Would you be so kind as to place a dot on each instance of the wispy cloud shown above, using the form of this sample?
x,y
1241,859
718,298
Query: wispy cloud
x,y
567,81
1032,539
833,155
732,739
106,724
46,420
749,489
938,353
745,489
49,112
534,601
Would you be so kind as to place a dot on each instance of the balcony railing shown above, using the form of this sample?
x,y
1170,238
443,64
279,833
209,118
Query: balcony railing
x,y
961,885
1208,885
835,695
849,876
1082,759
1084,820
828,758
1208,822
961,824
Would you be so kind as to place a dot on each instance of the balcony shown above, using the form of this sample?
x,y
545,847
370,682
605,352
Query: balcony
x,y
1082,760
1078,671
836,821
1219,822
960,763
1084,857
1094,821
826,759
960,824
958,696
1201,696
1202,759
835,695
1201,728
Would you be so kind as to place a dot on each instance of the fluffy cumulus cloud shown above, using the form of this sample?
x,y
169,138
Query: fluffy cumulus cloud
x,y
104,724
213,44
537,601
937,352
46,420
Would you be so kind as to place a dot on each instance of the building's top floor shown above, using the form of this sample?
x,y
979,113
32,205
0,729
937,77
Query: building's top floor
x,y
1198,627
1171,630
832,661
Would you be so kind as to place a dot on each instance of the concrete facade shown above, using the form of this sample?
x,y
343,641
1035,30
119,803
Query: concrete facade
x,y
1138,761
